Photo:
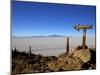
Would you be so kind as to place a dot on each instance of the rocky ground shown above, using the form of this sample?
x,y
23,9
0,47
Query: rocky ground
x,y
78,60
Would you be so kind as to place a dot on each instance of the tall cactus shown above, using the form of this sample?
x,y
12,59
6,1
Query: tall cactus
x,y
29,50
83,27
67,45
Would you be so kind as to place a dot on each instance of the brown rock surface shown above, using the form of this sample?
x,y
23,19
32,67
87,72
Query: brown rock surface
x,y
84,55
65,62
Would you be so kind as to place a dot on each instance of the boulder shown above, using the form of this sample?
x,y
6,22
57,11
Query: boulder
x,y
65,62
84,55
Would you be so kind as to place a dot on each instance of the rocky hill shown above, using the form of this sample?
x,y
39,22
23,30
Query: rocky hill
x,y
78,60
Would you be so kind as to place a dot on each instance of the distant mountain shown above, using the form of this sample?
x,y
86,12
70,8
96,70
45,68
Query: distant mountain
x,y
54,35
14,36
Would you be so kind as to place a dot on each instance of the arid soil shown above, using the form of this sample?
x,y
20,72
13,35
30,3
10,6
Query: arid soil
x,y
23,63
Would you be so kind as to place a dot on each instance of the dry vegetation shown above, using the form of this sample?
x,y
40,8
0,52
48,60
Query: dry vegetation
x,y
79,60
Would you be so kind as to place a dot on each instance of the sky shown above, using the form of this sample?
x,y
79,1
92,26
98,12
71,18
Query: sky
x,y
42,19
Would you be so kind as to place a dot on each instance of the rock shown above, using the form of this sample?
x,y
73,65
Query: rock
x,y
84,55
53,66
70,63
93,66
38,57
52,58
80,47
74,60
93,57
65,62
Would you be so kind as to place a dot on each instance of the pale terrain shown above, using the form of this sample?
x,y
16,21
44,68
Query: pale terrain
x,y
48,46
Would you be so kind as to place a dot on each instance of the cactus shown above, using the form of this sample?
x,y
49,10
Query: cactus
x,y
29,50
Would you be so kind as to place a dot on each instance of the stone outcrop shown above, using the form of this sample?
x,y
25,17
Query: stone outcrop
x,y
84,55
66,62
75,60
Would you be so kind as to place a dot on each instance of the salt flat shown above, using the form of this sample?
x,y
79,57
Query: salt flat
x,y
48,45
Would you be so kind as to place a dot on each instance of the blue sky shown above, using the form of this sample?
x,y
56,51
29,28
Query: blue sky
x,y
35,18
